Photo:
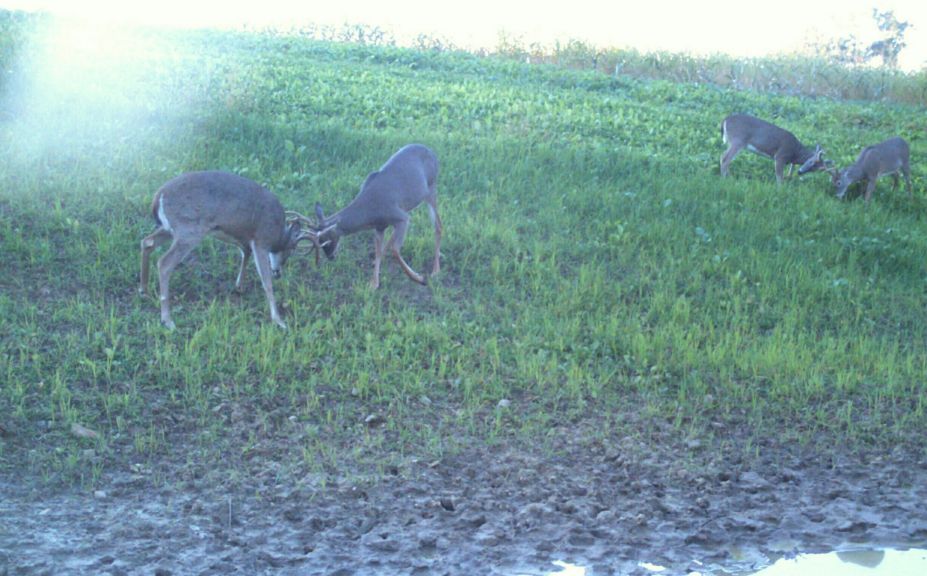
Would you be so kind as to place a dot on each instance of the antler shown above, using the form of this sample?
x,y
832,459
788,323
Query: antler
x,y
292,216
316,247
312,234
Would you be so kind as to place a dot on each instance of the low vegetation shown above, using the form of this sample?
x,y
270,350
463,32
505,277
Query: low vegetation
x,y
594,262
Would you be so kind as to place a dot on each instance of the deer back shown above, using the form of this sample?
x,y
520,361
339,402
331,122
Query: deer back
x,y
401,184
224,204
770,140
884,157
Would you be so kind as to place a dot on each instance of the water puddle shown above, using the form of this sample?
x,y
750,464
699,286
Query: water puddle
x,y
911,562
888,562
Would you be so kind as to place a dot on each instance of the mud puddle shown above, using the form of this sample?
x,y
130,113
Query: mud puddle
x,y
622,504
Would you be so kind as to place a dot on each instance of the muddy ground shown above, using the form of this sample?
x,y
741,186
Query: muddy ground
x,y
605,501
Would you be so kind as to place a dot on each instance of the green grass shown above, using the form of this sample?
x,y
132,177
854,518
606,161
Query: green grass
x,y
594,263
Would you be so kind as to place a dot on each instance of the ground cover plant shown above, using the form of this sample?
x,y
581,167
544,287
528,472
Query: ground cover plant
x,y
603,294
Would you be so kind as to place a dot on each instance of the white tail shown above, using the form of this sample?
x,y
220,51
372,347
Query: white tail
x,y
889,157
741,131
385,199
234,209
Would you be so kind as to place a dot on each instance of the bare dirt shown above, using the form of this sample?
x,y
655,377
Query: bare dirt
x,y
605,501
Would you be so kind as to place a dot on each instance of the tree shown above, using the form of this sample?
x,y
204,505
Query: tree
x,y
889,47
851,50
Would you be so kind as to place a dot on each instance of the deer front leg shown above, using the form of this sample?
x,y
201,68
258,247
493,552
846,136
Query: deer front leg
x,y
377,258
780,168
436,221
174,256
870,186
395,245
262,263
906,171
149,243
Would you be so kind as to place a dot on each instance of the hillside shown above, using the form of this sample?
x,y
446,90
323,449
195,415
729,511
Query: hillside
x,y
598,275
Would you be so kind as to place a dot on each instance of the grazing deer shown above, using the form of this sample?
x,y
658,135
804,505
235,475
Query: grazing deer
x,y
889,157
234,209
385,199
741,131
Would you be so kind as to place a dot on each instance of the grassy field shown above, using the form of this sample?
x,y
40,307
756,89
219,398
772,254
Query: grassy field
x,y
594,263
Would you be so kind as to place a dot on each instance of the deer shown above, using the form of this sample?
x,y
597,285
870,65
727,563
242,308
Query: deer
x,y
386,199
741,131
882,159
231,208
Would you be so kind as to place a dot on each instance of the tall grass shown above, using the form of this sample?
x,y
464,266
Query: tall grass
x,y
796,75
594,262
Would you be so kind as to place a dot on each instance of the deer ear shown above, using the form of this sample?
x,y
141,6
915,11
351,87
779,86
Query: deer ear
x,y
319,214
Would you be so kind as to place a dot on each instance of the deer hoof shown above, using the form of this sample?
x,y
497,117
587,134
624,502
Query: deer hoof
x,y
169,324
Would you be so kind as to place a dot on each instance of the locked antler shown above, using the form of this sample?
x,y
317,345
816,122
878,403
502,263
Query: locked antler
x,y
312,234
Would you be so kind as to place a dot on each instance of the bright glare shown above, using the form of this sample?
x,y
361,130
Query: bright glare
x,y
568,569
734,27
864,563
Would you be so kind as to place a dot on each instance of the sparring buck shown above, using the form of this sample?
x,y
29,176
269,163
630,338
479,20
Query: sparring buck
x,y
385,199
889,157
235,210
741,131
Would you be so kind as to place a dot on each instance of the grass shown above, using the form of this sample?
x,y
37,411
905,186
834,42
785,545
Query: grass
x,y
594,263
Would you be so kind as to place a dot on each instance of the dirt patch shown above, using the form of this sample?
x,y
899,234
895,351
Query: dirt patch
x,y
603,501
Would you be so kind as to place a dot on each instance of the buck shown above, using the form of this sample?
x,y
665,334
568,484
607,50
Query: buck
x,y
385,199
233,209
882,159
741,131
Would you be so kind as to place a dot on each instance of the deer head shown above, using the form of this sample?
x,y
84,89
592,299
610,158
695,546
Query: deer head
x,y
815,163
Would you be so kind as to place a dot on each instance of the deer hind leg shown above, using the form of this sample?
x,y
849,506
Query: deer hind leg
x,y
245,255
732,151
166,264
149,243
377,258
395,245
262,263
436,222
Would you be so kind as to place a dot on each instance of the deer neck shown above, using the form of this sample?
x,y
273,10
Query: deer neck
x,y
352,218
802,154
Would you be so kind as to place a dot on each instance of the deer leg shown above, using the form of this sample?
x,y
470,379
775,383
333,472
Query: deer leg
x,y
377,258
728,157
895,180
262,263
436,222
149,243
395,245
870,186
907,180
166,264
780,168
245,254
